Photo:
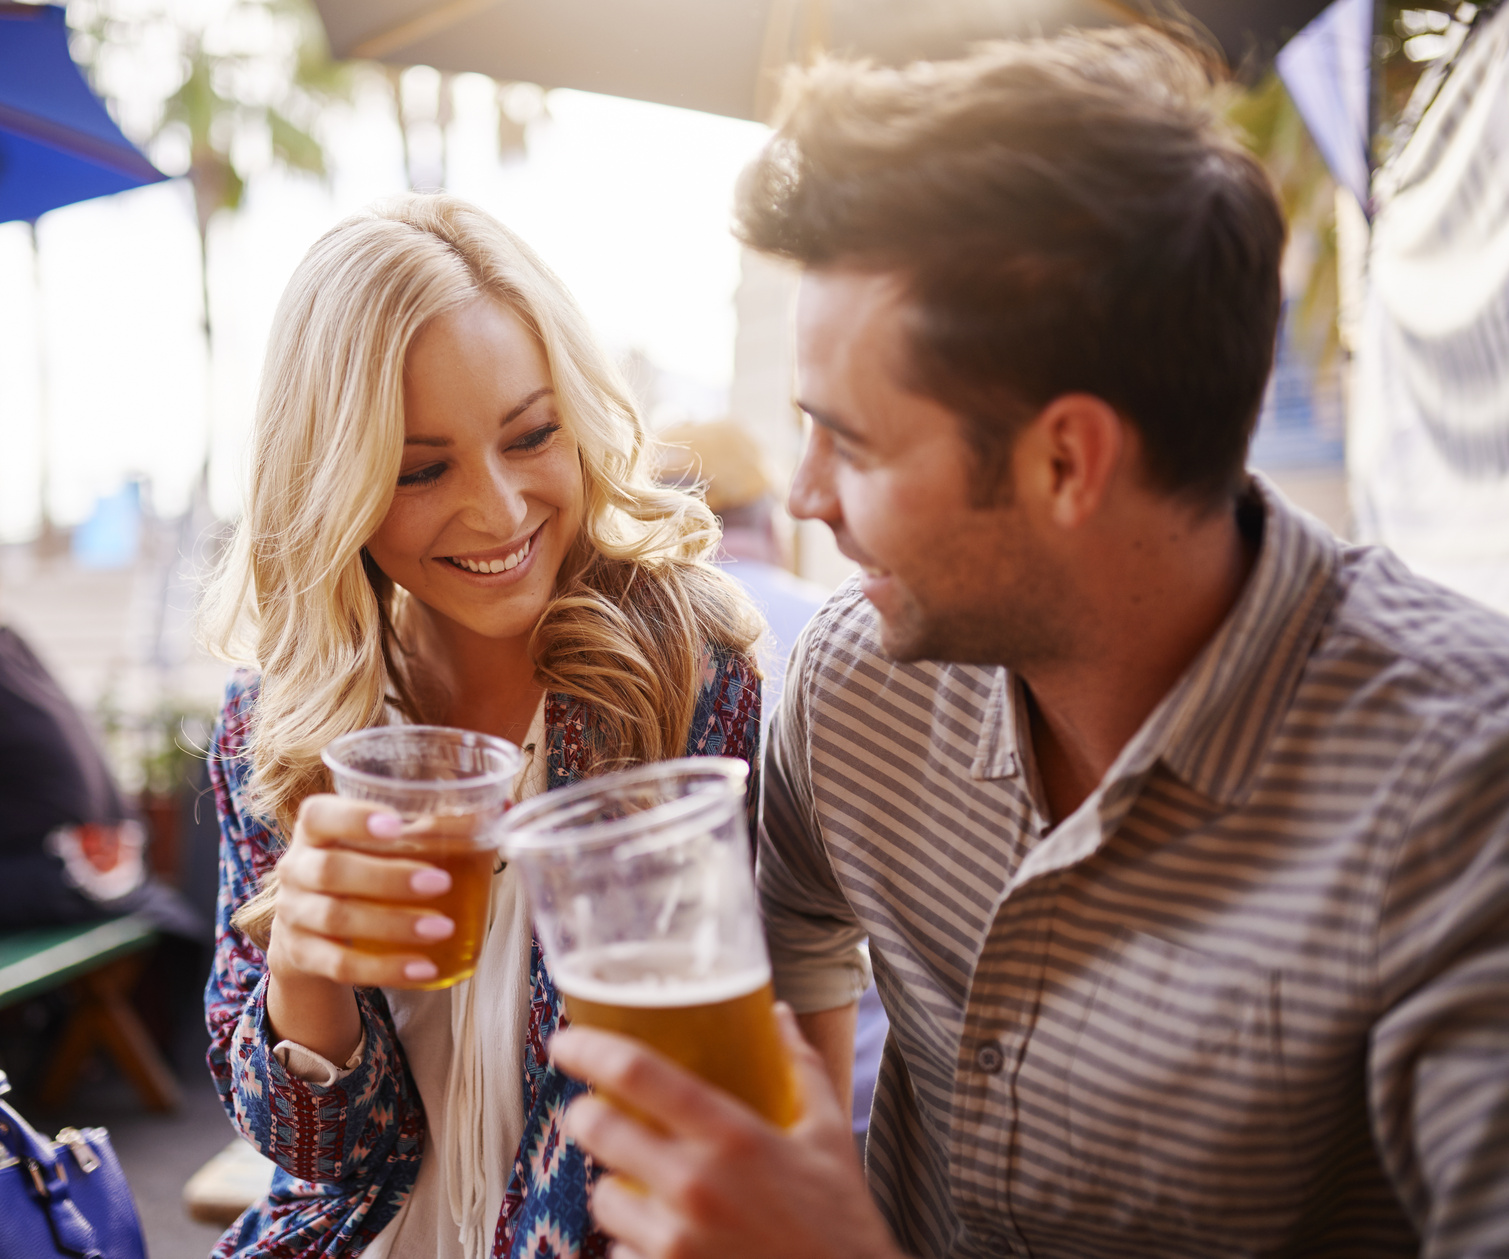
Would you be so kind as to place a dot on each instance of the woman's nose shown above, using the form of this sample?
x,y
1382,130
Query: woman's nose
x,y
496,501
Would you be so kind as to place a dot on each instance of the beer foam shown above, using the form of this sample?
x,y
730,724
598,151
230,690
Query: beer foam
x,y
651,978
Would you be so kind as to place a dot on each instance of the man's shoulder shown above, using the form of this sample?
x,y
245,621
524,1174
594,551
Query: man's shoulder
x,y
1425,641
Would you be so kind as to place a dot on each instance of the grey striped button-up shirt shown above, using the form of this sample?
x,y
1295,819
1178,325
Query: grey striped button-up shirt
x,y
1252,998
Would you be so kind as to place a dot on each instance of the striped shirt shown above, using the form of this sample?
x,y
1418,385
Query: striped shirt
x,y
1251,998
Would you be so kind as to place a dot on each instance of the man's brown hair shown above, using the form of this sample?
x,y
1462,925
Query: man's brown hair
x,y
1068,215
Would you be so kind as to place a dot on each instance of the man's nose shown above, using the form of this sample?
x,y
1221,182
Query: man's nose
x,y
812,494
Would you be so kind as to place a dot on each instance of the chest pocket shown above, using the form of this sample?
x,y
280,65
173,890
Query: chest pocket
x,y
1177,1109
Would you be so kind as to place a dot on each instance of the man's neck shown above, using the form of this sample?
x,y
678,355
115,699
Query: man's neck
x,y
1168,596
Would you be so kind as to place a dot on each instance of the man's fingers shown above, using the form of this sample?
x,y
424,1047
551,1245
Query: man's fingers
x,y
641,1225
618,1140
682,1103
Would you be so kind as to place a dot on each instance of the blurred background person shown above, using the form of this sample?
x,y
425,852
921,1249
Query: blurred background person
x,y
727,462
71,849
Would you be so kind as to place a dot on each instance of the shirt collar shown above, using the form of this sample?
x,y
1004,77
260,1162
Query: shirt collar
x,y
1214,725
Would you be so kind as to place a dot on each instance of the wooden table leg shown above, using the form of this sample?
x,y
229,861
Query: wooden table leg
x,y
105,1019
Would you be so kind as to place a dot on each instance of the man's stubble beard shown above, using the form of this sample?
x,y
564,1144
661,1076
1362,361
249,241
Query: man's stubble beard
x,y
1023,623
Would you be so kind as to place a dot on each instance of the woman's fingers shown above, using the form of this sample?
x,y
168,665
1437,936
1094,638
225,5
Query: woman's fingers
x,y
346,918
340,872
350,908
316,955
325,820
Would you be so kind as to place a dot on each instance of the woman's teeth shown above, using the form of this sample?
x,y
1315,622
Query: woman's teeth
x,y
494,566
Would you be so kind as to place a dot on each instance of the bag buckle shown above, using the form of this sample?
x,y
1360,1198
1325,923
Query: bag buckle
x,y
83,1152
35,1168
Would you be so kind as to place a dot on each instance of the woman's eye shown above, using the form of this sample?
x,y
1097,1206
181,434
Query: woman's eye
x,y
537,438
422,476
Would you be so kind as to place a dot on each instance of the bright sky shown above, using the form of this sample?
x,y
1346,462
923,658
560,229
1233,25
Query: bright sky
x,y
629,202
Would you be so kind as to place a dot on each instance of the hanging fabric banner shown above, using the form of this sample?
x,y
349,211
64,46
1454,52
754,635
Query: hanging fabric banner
x,y
1428,446
1327,70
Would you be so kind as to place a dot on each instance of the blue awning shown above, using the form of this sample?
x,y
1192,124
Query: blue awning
x,y
57,143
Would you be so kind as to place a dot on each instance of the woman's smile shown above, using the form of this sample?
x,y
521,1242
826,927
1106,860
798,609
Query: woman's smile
x,y
501,565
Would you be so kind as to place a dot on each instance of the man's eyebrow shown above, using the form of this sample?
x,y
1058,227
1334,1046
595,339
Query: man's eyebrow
x,y
525,405
831,422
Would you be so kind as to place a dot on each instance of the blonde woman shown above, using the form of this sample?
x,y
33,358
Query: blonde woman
x,y
451,519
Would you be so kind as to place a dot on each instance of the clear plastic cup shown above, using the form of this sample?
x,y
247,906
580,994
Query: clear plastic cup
x,y
644,899
451,788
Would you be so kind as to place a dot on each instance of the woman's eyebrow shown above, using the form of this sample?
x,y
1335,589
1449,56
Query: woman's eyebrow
x,y
525,405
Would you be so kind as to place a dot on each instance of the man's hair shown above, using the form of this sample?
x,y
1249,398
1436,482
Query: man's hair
x,y
1067,215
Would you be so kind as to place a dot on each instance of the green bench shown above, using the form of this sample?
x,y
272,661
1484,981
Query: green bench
x,y
101,962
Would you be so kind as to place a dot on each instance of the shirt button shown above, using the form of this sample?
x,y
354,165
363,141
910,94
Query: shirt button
x,y
990,1057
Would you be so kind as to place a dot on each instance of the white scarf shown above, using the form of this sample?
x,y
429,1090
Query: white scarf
x,y
484,1100
483,1113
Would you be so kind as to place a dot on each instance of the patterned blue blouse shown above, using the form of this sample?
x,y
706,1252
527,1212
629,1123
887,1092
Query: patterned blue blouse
x,y
347,1153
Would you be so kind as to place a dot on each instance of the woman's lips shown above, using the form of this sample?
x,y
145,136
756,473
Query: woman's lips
x,y
498,562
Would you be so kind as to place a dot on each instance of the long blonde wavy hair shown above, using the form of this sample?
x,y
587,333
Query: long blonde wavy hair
x,y
636,603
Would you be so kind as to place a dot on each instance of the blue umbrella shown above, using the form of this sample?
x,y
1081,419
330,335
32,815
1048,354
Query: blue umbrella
x,y
57,143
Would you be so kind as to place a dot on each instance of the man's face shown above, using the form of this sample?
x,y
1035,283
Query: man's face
x,y
889,471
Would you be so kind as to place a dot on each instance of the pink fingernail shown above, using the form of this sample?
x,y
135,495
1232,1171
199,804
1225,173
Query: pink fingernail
x,y
420,970
384,825
430,881
434,928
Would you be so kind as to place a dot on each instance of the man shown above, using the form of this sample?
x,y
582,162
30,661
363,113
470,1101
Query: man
x,y
1180,831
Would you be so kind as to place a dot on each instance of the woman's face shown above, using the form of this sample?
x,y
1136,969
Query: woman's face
x,y
489,496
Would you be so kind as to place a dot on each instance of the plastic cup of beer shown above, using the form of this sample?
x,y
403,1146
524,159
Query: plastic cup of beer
x,y
451,788
644,900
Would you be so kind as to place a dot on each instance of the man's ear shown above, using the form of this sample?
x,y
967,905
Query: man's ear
x,y
1067,456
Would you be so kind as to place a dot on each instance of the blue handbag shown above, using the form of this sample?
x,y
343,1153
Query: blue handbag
x,y
65,1198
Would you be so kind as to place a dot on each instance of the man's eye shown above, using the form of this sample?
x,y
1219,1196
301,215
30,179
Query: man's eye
x,y
537,438
422,476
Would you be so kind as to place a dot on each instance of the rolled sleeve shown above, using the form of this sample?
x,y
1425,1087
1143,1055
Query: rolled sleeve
x,y
816,942
303,1063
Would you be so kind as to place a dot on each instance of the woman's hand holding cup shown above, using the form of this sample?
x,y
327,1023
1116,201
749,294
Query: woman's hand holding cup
x,y
349,910
367,899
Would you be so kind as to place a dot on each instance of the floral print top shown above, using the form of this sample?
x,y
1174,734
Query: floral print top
x,y
347,1153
